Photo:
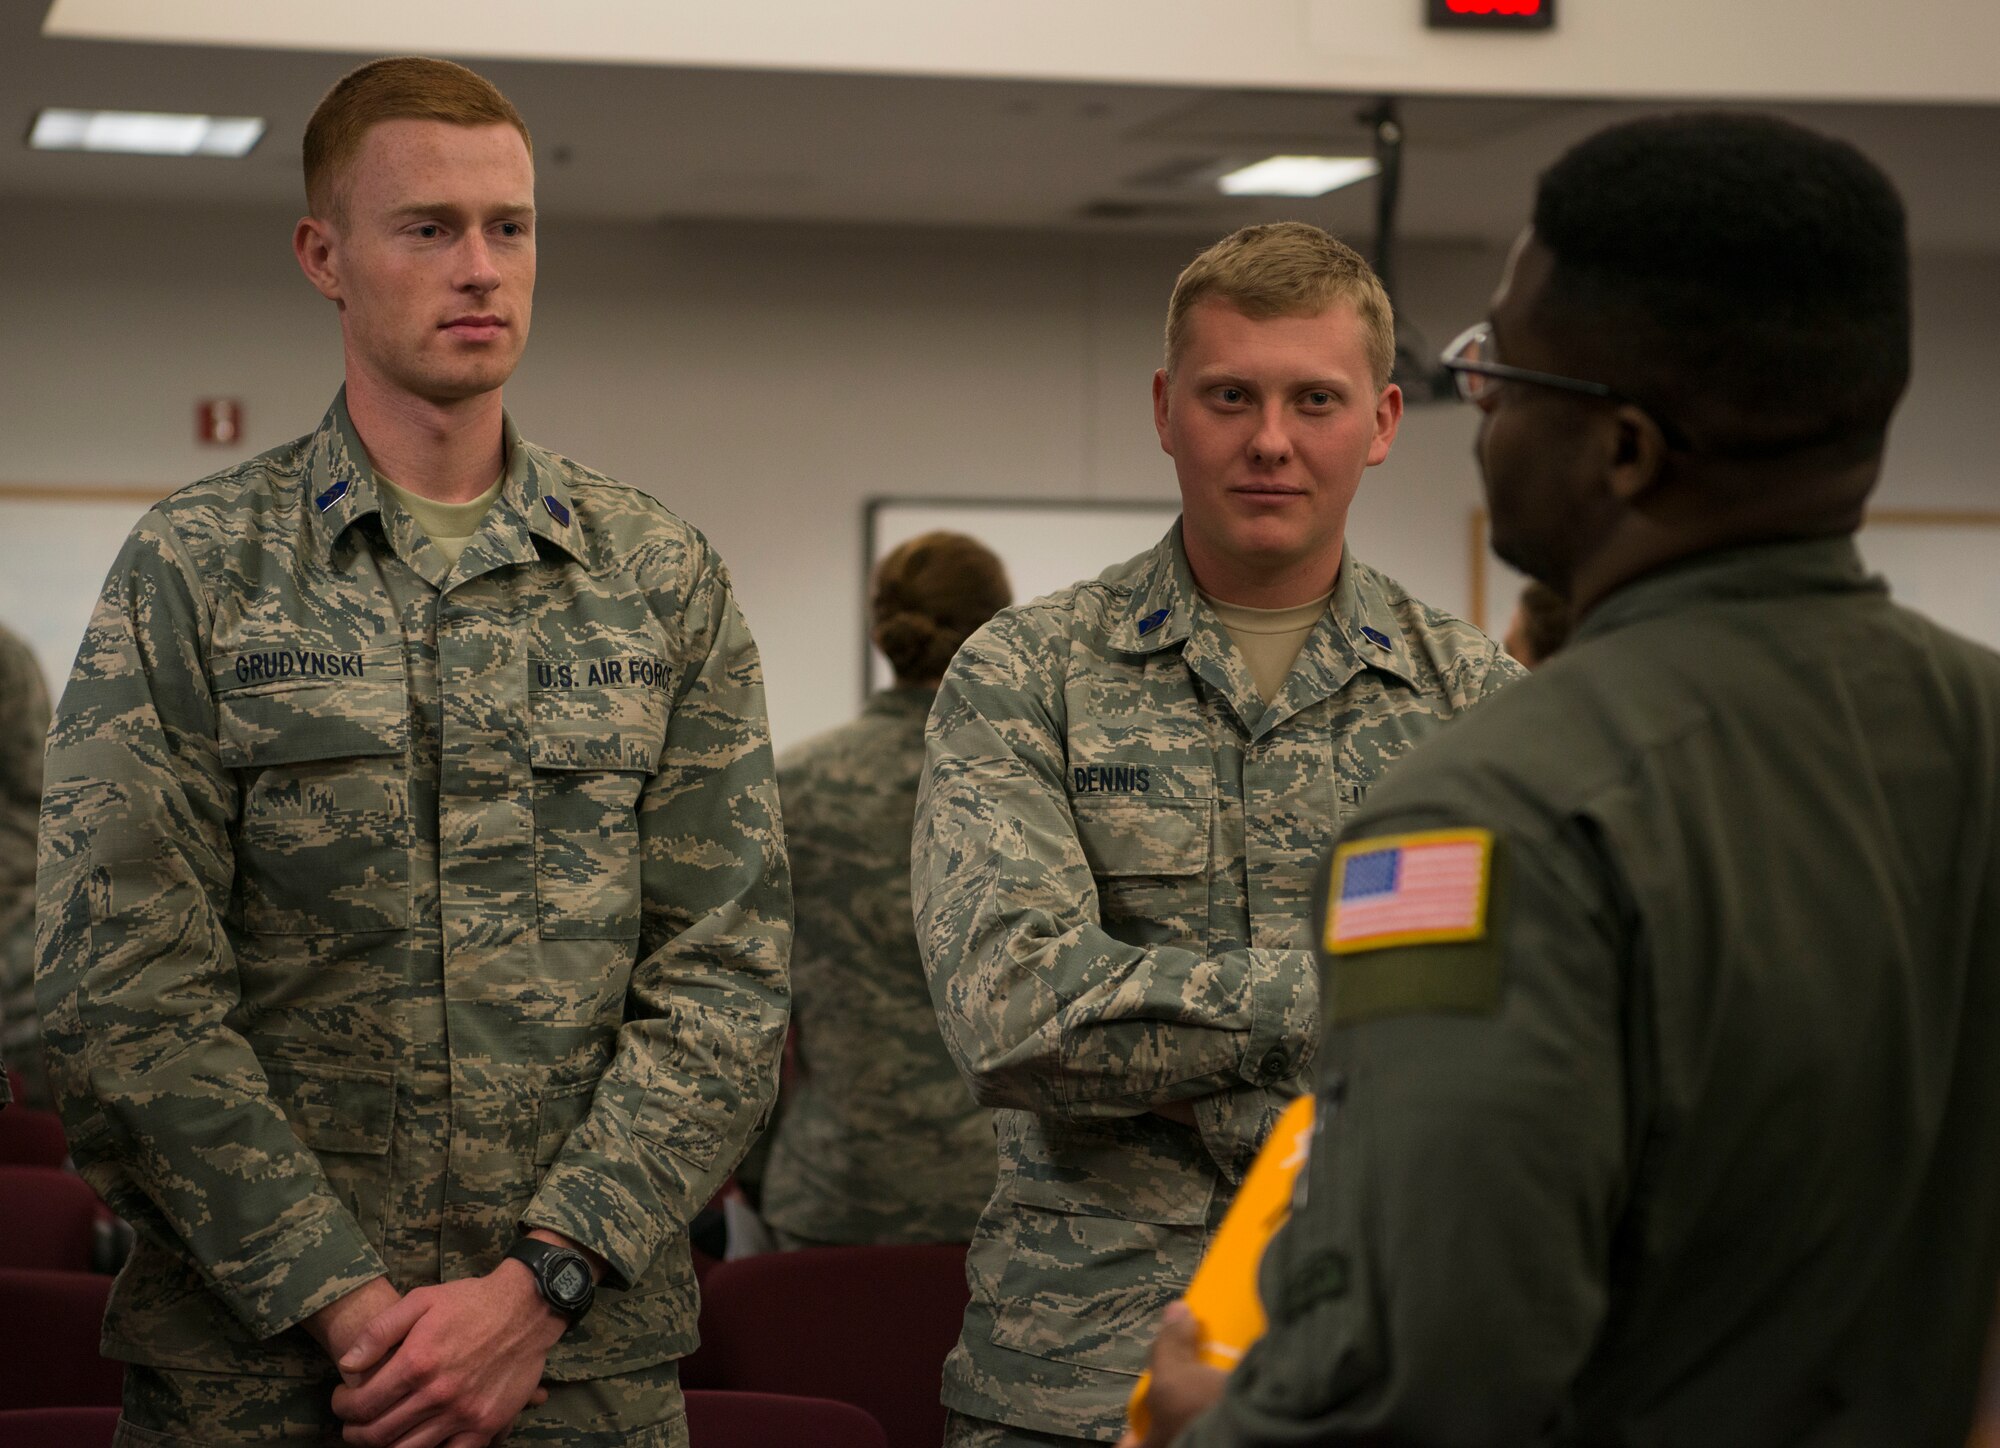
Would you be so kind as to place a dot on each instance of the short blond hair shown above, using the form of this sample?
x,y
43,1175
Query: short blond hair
x,y
1285,269
401,88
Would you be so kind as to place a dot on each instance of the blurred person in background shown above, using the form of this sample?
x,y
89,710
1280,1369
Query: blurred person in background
x,y
878,1139
24,726
1539,627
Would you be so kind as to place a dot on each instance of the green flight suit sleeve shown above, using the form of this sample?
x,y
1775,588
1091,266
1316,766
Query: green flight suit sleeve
x,y
137,979
1444,1274
1041,1008
695,1066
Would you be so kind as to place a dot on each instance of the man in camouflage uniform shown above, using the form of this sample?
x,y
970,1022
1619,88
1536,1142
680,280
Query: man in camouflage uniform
x,y
1128,786
410,903
877,1139
24,726
1683,1133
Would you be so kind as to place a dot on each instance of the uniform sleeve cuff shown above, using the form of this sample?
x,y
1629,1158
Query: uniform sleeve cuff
x,y
1284,1015
595,1211
299,1271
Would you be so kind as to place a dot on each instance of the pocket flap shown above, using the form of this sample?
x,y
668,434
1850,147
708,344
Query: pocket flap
x,y
1136,1168
336,1108
562,1110
609,726
358,710
1154,836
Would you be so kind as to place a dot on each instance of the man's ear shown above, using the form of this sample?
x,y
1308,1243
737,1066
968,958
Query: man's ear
x,y
317,247
1638,455
1161,385
1388,416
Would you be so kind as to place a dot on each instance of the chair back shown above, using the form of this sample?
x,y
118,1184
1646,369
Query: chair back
x,y
768,1420
32,1138
48,1219
869,1326
54,1321
58,1427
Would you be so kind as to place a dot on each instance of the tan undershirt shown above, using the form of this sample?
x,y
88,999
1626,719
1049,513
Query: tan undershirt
x,y
1269,638
449,526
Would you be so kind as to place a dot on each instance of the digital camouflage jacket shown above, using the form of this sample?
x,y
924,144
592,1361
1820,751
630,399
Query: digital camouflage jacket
x,y
1115,851
389,907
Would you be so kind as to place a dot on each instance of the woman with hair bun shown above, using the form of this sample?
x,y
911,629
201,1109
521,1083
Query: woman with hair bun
x,y
878,1139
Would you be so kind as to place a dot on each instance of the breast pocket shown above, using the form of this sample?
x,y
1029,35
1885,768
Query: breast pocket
x,y
1150,860
323,838
1371,752
592,749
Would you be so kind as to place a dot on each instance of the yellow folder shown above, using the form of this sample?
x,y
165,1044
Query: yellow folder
x,y
1223,1294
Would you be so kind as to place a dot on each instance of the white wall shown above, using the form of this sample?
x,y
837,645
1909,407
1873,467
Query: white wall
x,y
766,380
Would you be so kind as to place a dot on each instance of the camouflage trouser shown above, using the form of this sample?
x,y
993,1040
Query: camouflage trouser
x,y
169,1408
963,1432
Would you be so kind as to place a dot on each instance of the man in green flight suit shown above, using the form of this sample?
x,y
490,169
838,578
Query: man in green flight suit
x,y
1128,787
1661,1083
413,911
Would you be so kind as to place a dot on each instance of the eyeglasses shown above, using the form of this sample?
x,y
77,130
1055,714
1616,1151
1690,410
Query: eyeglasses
x,y
1469,359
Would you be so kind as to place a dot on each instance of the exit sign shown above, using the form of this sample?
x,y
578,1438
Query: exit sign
x,y
1492,14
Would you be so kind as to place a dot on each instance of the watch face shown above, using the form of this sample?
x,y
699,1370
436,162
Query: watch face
x,y
570,1282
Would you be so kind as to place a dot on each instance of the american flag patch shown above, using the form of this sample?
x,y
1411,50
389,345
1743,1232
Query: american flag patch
x,y
1409,890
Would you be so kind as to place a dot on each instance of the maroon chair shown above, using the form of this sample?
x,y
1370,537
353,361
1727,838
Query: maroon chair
x,y
869,1326
58,1427
48,1219
765,1420
53,1320
31,1138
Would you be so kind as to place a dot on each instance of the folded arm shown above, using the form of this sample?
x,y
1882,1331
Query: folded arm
x,y
1042,1009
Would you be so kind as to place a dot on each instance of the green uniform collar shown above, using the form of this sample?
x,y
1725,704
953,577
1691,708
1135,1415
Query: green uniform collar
x,y
533,503
1765,570
1366,625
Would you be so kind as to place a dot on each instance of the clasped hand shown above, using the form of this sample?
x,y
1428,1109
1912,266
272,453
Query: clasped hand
x,y
450,1365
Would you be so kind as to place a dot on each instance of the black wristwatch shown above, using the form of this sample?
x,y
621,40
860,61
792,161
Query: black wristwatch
x,y
561,1274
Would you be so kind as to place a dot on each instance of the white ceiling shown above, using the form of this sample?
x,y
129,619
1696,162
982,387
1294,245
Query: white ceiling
x,y
1853,50
640,142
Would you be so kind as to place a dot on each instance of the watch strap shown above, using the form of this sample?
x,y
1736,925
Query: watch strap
x,y
548,1263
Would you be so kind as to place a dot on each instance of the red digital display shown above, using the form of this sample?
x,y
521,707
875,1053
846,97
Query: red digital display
x,y
1492,14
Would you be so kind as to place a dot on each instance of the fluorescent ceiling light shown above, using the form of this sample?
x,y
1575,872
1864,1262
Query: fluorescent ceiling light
x,y
145,133
1297,175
